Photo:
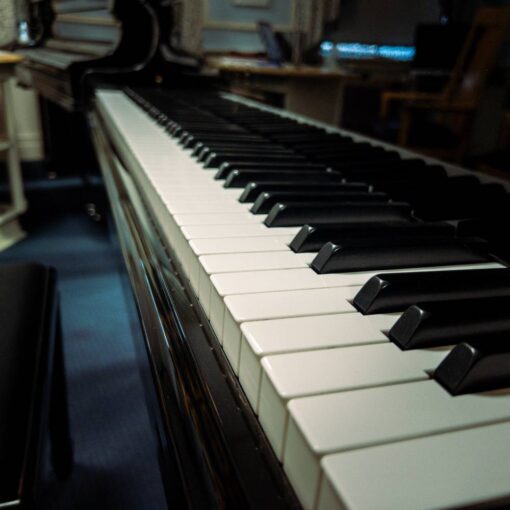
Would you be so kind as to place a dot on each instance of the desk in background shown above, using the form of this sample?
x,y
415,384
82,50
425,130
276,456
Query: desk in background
x,y
312,91
315,92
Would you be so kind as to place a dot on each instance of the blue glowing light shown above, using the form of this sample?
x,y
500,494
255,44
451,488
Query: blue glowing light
x,y
360,51
327,47
397,52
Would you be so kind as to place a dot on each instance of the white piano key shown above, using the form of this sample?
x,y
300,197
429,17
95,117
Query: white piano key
x,y
339,422
274,305
265,338
333,370
232,231
246,282
185,252
213,218
217,246
255,261
225,245
255,230
185,193
452,470
203,208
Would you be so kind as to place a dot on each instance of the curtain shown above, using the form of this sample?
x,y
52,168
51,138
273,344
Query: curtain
x,y
312,15
190,22
7,22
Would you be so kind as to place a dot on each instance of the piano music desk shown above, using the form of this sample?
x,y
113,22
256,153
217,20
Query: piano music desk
x,y
10,230
315,92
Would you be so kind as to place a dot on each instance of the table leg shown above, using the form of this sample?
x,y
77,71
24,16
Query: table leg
x,y
10,230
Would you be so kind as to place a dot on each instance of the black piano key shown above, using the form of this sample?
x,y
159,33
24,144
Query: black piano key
x,y
318,148
214,159
483,200
332,144
450,185
488,228
394,292
312,237
444,323
491,228
297,166
189,142
412,174
300,136
201,149
432,181
229,149
204,129
240,146
267,200
364,162
375,176
356,160
394,254
189,136
273,126
476,366
253,189
298,214
342,151
240,178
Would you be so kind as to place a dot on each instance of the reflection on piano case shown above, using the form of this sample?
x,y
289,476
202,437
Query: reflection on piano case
x,y
311,298
82,38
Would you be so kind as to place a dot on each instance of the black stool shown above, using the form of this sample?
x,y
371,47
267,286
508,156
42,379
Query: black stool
x,y
32,382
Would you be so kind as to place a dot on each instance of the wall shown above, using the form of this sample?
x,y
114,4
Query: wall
x,y
382,21
226,25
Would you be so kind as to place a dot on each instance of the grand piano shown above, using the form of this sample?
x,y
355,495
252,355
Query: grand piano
x,y
326,316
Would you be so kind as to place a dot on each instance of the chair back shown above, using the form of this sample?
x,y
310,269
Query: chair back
x,y
478,55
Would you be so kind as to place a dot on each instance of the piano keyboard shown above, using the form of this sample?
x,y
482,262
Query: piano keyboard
x,y
335,276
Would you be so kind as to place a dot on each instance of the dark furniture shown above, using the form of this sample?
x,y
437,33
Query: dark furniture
x,y
440,124
32,382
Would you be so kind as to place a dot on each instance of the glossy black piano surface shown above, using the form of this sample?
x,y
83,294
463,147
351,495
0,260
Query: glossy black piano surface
x,y
83,38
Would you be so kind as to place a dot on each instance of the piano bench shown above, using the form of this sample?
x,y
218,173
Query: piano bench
x,y
33,397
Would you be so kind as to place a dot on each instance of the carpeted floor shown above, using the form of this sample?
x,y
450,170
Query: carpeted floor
x,y
115,451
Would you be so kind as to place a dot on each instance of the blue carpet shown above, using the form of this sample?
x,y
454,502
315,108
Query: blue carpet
x,y
115,451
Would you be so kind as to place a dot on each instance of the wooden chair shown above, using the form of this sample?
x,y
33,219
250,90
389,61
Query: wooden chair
x,y
455,107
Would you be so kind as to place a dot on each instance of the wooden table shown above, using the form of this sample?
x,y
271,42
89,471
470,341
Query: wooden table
x,y
10,229
311,91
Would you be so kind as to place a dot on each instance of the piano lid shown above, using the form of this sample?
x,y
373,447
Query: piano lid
x,y
91,41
